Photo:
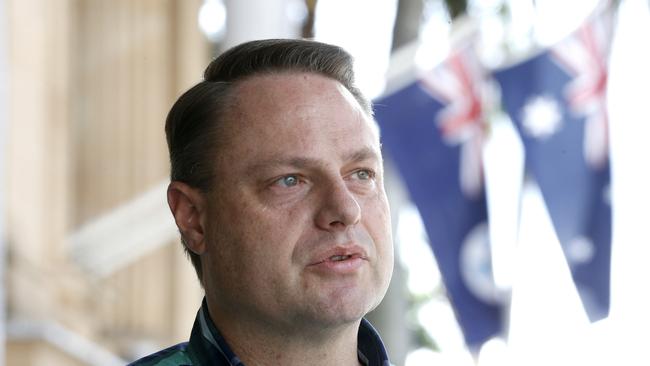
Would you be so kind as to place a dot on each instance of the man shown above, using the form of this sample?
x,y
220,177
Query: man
x,y
277,190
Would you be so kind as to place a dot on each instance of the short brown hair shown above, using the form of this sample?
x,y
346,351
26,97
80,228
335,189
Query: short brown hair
x,y
194,121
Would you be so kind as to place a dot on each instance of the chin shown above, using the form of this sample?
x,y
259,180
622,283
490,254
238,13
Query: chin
x,y
347,310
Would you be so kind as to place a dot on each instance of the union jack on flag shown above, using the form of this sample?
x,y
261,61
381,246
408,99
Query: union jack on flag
x,y
585,56
459,83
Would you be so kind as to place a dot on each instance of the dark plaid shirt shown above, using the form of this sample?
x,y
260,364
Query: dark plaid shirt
x,y
207,347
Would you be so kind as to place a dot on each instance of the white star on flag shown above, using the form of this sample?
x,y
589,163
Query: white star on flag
x,y
541,117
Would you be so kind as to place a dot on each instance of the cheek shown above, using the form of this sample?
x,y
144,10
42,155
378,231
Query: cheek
x,y
379,226
265,235
377,215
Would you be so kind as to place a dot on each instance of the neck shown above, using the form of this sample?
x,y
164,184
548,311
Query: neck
x,y
259,344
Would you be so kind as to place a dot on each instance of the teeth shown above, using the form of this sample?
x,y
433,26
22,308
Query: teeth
x,y
337,258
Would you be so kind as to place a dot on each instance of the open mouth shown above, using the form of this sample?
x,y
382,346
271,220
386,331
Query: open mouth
x,y
338,258
340,263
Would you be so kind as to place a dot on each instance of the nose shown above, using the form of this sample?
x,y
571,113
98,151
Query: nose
x,y
338,209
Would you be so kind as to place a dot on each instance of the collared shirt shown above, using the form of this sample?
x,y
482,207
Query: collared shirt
x,y
208,347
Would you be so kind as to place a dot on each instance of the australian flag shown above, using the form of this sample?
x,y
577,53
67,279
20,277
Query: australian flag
x,y
433,130
557,102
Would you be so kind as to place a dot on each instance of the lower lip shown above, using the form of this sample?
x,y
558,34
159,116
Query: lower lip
x,y
346,266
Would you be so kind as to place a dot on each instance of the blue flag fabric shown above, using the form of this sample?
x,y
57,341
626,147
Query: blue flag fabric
x,y
556,100
455,216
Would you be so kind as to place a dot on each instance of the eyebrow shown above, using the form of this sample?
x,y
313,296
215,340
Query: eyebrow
x,y
362,154
299,162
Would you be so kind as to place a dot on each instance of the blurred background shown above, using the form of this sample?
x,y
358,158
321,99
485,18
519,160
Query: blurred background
x,y
92,268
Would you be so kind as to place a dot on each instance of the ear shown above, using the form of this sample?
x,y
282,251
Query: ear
x,y
188,205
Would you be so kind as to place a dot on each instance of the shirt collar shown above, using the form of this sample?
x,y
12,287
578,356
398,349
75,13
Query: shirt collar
x,y
370,345
210,347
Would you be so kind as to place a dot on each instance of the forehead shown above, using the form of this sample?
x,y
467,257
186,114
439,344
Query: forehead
x,y
288,91
299,111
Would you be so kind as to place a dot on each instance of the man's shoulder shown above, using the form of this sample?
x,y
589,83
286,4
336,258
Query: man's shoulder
x,y
173,356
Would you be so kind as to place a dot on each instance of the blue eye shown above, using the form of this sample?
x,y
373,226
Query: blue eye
x,y
364,174
288,181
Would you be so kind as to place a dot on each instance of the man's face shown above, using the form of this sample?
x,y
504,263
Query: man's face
x,y
298,230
